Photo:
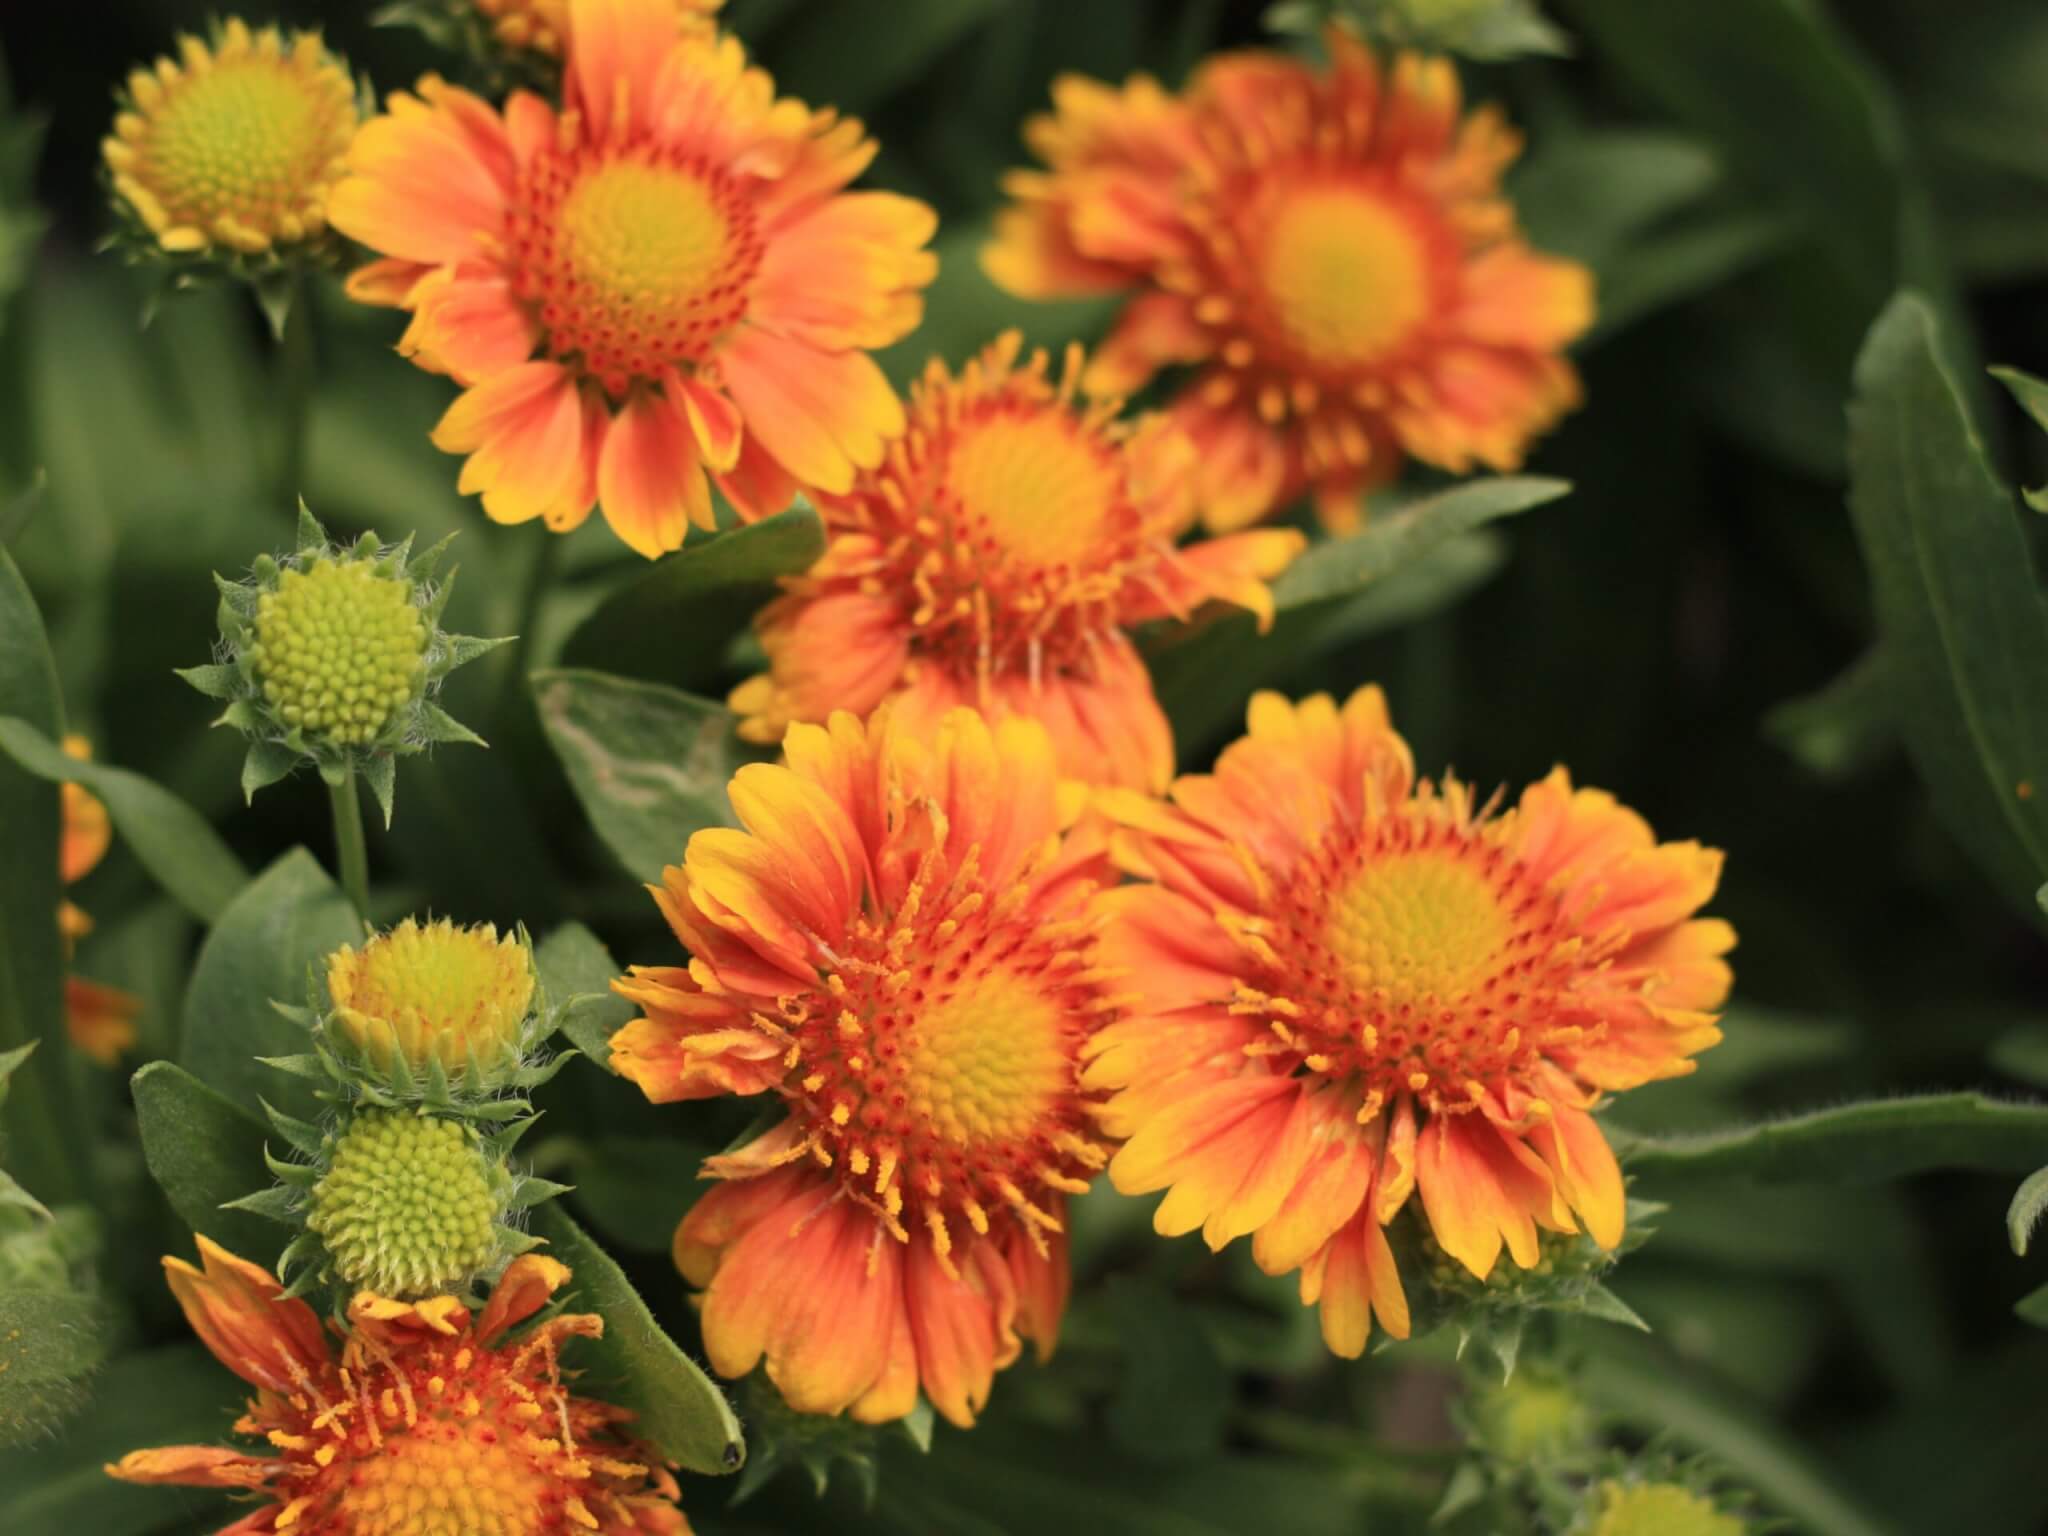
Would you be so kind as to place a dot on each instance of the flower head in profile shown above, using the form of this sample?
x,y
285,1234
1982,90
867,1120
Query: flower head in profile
x,y
99,1020
898,946
663,278
1327,250
1628,1507
995,559
424,1421
227,152
1364,991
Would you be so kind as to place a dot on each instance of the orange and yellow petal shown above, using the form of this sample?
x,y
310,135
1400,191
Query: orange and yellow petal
x,y
86,829
240,1313
100,1020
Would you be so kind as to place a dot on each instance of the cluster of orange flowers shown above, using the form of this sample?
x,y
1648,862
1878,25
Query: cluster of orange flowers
x,y
975,933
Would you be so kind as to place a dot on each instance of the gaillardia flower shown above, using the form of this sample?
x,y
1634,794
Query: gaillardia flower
x,y
426,1422
665,277
994,559
1360,987
539,26
899,946
1658,1509
231,149
99,1020
432,997
1329,251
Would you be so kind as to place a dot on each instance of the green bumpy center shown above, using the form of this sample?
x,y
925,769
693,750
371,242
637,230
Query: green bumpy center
x,y
339,649
407,1208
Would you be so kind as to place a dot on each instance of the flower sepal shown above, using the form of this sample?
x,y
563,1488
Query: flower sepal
x,y
781,1439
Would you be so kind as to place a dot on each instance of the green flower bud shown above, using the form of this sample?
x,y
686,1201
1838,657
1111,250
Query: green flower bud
x,y
407,1208
1659,1509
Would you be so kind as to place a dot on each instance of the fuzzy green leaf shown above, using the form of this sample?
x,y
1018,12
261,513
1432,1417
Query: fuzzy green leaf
x,y
265,763
577,971
12,1194
284,924
671,624
2033,1307
50,1341
1962,620
680,1408
216,680
1854,1143
206,1153
650,764
2029,1205
172,841
381,774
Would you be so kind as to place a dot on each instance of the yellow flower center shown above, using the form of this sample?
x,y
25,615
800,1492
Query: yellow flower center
x,y
1660,1509
1345,278
1423,927
433,991
634,263
406,1208
984,1063
1033,485
445,1477
339,648
237,145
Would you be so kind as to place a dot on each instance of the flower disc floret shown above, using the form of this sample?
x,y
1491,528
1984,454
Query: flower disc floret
x,y
423,1421
236,144
1328,251
898,947
1659,1509
435,992
996,559
1364,987
340,648
406,1207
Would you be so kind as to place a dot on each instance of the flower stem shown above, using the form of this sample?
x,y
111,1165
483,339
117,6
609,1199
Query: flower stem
x,y
295,393
350,850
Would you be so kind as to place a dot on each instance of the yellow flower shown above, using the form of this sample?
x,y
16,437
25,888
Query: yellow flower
x,y
434,993
1329,250
1659,1509
233,146
1364,991
425,1423
540,26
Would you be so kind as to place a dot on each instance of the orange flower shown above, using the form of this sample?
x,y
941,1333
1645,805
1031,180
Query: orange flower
x,y
994,559
428,1423
663,278
1359,987
898,946
540,25
1329,250
100,1021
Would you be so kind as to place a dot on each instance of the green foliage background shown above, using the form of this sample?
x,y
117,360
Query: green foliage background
x,y
1844,692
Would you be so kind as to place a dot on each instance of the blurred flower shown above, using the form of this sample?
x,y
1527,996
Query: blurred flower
x,y
427,1422
334,653
231,149
899,947
1360,987
662,279
1658,1509
995,559
1329,250
540,25
99,1020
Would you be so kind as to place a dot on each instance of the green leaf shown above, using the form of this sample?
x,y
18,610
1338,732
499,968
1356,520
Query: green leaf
x,y
271,937
2032,395
158,1397
577,971
1854,1143
49,1341
1338,590
204,1152
680,1409
172,841
2033,1307
1841,727
860,52
1173,1395
671,624
2029,1204
2022,1052
1960,616
650,764
42,1118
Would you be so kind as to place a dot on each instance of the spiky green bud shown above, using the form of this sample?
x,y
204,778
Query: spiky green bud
x,y
408,1206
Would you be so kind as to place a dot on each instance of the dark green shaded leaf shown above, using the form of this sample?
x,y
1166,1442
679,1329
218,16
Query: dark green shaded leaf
x,y
1854,1143
2033,1307
577,971
2032,395
1960,616
634,1189
681,1411
205,1152
263,949
650,764
173,841
2029,1204
1842,726
1173,1396
856,53
2022,1052
671,624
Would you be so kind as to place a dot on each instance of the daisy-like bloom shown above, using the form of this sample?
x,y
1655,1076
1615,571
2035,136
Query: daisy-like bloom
x,y
1360,987
99,1020
665,277
233,147
425,1422
1328,250
995,558
540,25
434,992
899,946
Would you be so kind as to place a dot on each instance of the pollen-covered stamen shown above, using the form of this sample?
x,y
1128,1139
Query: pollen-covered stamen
x,y
1412,957
632,259
935,1071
